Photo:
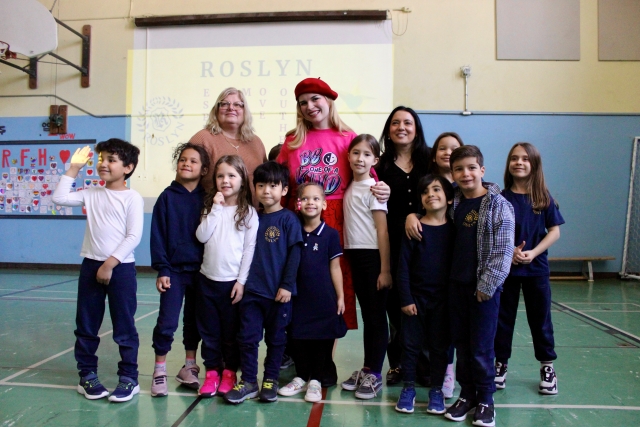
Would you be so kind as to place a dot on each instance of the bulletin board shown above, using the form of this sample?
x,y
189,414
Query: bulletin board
x,y
30,172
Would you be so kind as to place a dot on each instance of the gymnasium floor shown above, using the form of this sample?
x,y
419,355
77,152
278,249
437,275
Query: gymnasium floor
x,y
597,334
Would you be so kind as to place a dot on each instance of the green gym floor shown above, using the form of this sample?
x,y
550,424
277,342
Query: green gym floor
x,y
597,331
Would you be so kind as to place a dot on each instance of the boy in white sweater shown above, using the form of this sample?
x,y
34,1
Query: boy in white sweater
x,y
114,229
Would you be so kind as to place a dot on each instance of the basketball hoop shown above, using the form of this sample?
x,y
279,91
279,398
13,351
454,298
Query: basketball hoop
x,y
5,53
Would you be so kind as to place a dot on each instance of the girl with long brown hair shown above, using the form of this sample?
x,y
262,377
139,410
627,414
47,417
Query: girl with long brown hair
x,y
228,229
538,221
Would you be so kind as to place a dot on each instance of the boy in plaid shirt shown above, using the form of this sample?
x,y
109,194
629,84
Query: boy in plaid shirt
x,y
483,250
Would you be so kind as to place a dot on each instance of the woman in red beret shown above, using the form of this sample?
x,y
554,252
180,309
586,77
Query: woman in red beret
x,y
317,150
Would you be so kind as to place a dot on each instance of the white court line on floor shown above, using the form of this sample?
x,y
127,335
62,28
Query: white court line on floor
x,y
68,292
55,356
358,402
595,319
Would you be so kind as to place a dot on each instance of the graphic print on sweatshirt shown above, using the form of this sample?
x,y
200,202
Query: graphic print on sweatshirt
x,y
319,167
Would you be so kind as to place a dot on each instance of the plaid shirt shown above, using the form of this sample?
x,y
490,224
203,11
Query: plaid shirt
x,y
496,230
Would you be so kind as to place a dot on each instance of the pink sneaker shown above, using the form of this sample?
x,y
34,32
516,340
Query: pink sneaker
x,y
228,381
211,383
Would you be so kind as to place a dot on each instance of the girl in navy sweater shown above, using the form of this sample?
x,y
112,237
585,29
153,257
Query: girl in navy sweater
x,y
538,223
176,254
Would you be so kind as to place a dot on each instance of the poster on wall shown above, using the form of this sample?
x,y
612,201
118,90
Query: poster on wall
x,y
30,172
175,75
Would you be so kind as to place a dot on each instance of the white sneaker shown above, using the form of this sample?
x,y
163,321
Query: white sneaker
x,y
449,385
297,385
314,392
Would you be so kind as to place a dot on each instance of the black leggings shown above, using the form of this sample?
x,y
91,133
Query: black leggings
x,y
365,269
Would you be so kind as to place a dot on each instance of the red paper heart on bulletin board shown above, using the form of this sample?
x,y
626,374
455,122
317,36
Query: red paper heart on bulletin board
x,y
64,155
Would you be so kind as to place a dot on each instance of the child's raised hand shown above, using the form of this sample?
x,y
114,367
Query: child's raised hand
x,y
410,310
384,281
218,199
237,292
163,283
283,296
518,254
341,306
81,156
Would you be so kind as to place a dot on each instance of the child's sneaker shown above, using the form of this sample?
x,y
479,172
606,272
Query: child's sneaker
x,y
287,361
436,402
269,390
297,385
91,387
159,385
406,400
449,384
369,387
548,380
501,375
211,383
459,410
314,392
228,381
126,389
241,392
353,382
188,377
485,415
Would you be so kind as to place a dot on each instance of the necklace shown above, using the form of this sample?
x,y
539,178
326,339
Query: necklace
x,y
406,167
237,147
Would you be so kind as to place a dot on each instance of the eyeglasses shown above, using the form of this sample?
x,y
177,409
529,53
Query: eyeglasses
x,y
225,105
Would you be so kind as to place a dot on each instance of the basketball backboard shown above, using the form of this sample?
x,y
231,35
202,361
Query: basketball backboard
x,y
27,27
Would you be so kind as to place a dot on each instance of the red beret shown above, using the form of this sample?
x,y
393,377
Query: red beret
x,y
312,85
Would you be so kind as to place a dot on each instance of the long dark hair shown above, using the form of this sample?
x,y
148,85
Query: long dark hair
x,y
420,151
243,210
536,187
435,169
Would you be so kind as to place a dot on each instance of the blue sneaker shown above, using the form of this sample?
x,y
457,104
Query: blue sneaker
x,y
91,387
436,402
406,400
126,389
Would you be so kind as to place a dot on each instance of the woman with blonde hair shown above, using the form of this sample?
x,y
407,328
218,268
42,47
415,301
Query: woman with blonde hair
x,y
229,131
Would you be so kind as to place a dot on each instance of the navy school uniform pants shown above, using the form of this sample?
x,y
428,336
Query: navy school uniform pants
x,y
218,324
183,287
430,329
473,328
258,313
121,294
365,269
537,301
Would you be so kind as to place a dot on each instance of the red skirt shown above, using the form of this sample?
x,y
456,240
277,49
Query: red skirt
x,y
334,217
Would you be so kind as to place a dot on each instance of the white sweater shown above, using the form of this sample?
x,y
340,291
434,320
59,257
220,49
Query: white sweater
x,y
114,219
228,252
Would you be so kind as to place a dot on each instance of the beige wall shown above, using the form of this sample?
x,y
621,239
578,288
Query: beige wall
x,y
440,36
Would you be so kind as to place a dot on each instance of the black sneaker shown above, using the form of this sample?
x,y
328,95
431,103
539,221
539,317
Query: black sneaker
x,y
394,376
548,381
269,390
501,375
91,387
241,392
126,389
287,361
459,410
485,415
